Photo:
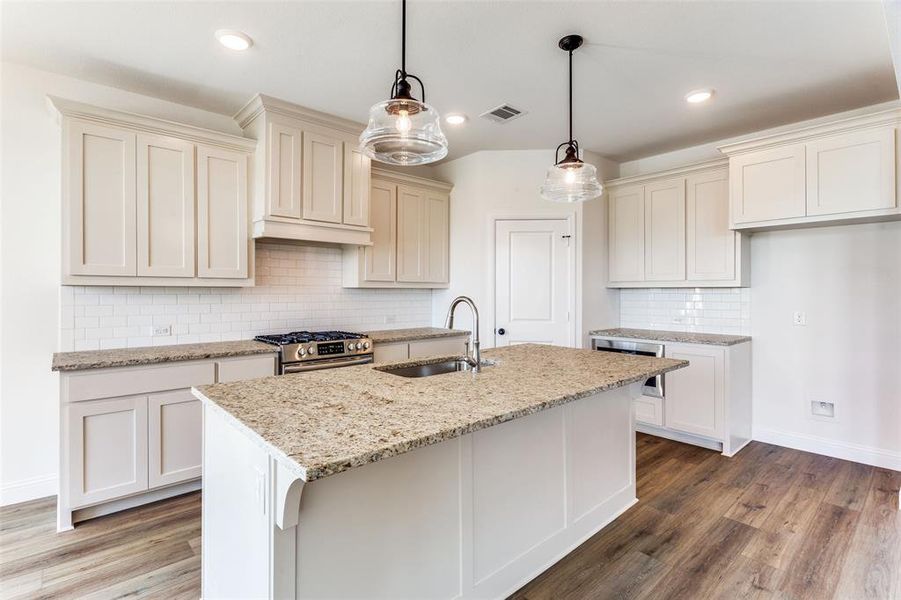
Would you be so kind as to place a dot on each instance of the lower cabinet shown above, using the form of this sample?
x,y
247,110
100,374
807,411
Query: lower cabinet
x,y
133,435
707,403
398,351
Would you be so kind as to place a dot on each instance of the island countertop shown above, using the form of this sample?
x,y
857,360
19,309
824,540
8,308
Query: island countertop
x,y
329,421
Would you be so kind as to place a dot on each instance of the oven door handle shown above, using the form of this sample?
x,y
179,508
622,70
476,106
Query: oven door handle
x,y
331,364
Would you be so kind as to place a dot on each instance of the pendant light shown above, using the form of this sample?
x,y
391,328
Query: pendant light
x,y
570,179
404,130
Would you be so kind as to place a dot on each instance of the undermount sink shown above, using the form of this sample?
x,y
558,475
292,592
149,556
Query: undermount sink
x,y
435,368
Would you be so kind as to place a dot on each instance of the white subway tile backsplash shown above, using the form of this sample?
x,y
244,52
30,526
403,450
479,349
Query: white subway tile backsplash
x,y
297,287
705,310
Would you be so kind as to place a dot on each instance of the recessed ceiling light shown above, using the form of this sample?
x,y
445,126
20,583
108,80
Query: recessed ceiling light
x,y
234,40
455,119
698,96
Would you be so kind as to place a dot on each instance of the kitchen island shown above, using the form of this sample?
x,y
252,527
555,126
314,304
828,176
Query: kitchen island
x,y
360,483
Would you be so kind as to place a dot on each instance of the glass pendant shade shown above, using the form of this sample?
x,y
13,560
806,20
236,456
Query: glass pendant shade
x,y
574,182
403,131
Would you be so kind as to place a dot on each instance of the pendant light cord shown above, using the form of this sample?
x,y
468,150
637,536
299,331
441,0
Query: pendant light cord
x,y
403,39
570,95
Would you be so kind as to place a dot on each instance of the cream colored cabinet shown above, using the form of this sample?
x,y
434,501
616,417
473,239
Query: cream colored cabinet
x,y
410,218
323,178
694,395
165,206
380,259
222,239
767,186
132,435
833,173
317,182
852,172
627,234
283,175
357,167
99,208
400,351
108,449
174,420
671,229
710,245
148,202
664,230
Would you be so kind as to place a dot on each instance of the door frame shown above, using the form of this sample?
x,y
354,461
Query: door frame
x,y
575,264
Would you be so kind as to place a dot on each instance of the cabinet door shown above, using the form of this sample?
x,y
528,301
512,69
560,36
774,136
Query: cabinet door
x,y
851,172
626,233
693,396
356,186
165,206
284,171
664,230
437,209
175,434
380,259
767,185
710,244
108,449
222,242
99,210
411,234
385,353
323,175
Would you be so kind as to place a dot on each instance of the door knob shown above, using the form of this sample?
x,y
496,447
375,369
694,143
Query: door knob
x,y
501,331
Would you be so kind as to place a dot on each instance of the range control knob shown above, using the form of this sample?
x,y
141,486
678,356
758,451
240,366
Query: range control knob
x,y
365,345
350,346
311,349
302,351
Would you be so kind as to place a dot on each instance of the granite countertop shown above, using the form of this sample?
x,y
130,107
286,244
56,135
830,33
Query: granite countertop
x,y
387,336
682,337
333,420
148,355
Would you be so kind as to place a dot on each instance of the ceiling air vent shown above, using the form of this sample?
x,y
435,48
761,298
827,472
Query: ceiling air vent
x,y
502,114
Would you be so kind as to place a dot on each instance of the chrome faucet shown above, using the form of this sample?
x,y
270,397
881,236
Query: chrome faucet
x,y
473,357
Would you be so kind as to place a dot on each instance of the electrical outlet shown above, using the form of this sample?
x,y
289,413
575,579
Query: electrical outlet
x,y
799,317
390,319
160,330
822,409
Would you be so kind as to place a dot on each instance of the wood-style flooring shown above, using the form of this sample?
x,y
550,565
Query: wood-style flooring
x,y
769,523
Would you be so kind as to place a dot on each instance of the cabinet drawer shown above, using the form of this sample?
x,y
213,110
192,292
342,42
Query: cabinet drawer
x,y
137,380
649,410
444,346
236,369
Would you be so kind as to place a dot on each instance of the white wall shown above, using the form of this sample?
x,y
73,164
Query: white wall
x,y
30,271
493,184
848,281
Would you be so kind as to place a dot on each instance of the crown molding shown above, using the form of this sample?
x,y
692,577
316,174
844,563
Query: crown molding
x,y
403,179
86,112
263,104
707,165
880,118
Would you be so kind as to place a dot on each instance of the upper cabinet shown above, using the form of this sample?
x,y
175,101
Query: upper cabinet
x,y
150,202
671,229
832,173
410,238
311,181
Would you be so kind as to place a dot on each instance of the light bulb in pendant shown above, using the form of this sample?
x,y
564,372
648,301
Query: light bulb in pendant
x,y
403,123
570,177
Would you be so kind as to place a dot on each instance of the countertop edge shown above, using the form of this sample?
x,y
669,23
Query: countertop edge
x,y
113,363
415,334
667,336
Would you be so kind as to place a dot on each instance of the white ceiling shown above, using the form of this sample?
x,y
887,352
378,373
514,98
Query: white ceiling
x,y
770,62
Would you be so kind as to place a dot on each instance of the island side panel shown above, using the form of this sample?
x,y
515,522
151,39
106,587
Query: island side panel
x,y
475,516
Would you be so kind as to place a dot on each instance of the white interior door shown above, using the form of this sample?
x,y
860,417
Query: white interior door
x,y
534,280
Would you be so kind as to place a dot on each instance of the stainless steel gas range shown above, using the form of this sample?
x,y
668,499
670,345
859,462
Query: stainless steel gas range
x,y
313,350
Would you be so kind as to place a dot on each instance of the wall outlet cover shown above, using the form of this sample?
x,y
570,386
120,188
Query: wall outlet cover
x,y
160,330
799,317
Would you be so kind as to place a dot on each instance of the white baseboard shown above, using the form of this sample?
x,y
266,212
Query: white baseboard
x,y
867,455
28,489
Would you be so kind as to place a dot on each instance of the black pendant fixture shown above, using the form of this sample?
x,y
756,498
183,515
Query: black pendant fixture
x,y
404,130
570,179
